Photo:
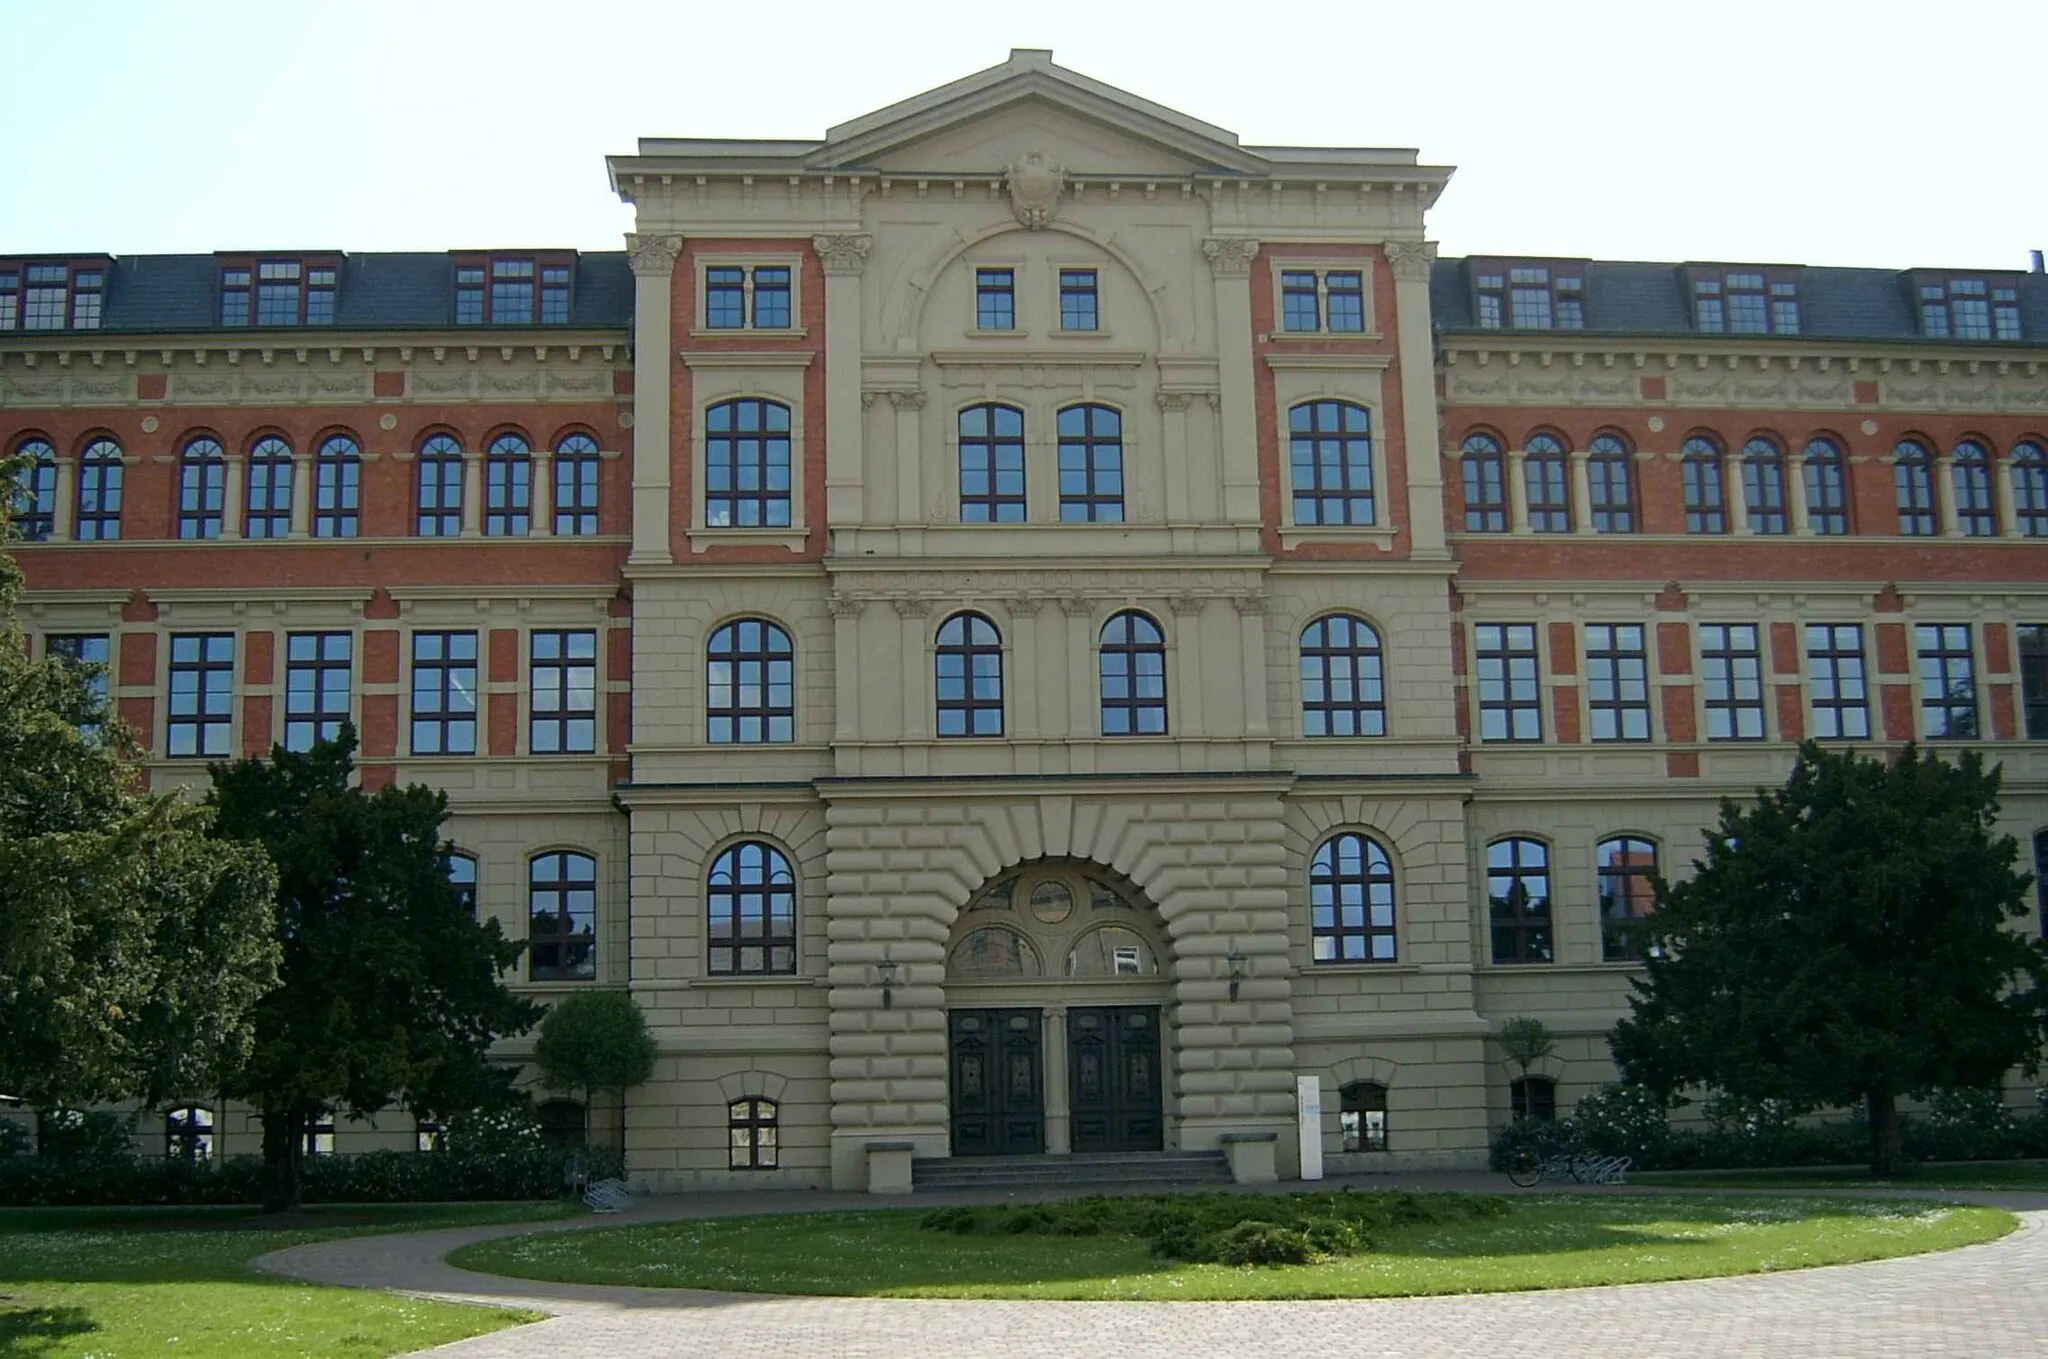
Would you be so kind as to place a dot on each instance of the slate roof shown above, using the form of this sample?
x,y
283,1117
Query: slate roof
x,y
1627,298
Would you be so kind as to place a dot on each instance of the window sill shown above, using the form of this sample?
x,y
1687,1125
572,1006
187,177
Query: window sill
x,y
1292,537
751,333
1064,334
1335,969
1011,334
1312,336
775,979
794,539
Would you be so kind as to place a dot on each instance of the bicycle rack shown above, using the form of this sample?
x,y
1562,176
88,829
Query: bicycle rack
x,y
607,1196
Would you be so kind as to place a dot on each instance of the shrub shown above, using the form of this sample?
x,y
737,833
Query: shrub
x,y
1177,1239
1545,1136
1263,1243
15,1139
1622,1120
958,1221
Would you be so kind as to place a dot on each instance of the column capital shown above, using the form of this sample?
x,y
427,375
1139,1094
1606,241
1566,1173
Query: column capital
x,y
653,255
843,253
1230,256
1411,260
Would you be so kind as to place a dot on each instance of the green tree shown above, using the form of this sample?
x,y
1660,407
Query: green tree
x,y
390,991
132,947
1526,1040
591,1041
1848,938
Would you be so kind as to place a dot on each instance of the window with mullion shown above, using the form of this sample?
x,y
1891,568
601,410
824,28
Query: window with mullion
x,y
1618,681
268,489
1351,907
512,295
771,297
753,1132
35,513
577,463
1839,689
1510,693
1080,306
440,487
995,299
1913,479
992,465
1610,480
1344,301
1628,897
1948,682
1533,1098
93,650
508,487
444,693
1300,301
1706,500
202,489
725,297
337,488
2030,489
750,902
969,671
1485,476
561,905
562,684
750,684
1731,681
1970,482
1546,475
1132,660
462,877
1330,453
2033,649
554,294
279,293
1343,690
201,708
1518,900
747,464
1091,458
316,687
100,473
1763,486
1827,491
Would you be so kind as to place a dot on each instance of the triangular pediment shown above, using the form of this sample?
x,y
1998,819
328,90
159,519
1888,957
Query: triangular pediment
x,y
987,120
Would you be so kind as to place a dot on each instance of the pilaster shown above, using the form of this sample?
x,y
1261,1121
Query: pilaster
x,y
653,260
843,257
231,499
1412,263
1230,260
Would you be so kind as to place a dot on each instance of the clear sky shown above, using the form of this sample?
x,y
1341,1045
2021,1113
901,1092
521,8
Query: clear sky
x,y
1875,133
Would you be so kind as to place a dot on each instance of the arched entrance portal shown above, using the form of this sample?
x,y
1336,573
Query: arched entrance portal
x,y
1057,981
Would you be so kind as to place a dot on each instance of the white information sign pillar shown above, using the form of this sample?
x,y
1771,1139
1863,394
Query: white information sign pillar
x,y
1308,1103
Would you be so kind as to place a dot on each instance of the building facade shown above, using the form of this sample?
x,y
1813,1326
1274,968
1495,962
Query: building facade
x,y
1026,624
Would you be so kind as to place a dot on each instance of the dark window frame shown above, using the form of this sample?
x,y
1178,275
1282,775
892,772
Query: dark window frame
x,y
1354,903
267,477
755,701
749,457
1627,893
1498,647
2030,643
73,299
439,486
1343,678
1828,504
312,715
1330,461
464,872
1080,300
1970,470
2028,469
76,647
1547,483
513,288
577,473
1703,469
1357,1127
1982,308
202,489
1947,663
102,478
1130,667
751,912
1768,300
1913,481
968,653
1729,669
508,486
1618,682
202,709
1529,294
995,298
1763,486
1533,1098
189,1133
253,290
1091,464
35,517
438,667
1838,681
554,663
561,916
1611,483
338,488
753,1133
991,457
1521,924
1483,459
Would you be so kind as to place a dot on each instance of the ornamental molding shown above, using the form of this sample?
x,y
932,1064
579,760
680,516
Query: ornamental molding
x,y
1174,402
1230,256
1184,603
909,400
843,253
1411,261
1035,181
1076,591
846,606
1252,602
653,256
1024,606
911,606
1077,606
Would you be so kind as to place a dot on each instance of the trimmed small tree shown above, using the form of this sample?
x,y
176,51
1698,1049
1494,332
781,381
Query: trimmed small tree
x,y
591,1041
1847,939
1525,1040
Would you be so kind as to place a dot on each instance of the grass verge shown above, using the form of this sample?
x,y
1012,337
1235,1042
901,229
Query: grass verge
x,y
1543,1241
1988,1175
112,1283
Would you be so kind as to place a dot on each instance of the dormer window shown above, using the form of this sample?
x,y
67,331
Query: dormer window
x,y
1969,309
1531,297
275,292
1745,302
51,296
511,290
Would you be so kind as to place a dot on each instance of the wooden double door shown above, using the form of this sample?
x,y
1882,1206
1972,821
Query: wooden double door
x,y
997,1066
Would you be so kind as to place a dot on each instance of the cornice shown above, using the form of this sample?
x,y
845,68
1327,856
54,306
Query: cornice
x,y
155,352
1667,353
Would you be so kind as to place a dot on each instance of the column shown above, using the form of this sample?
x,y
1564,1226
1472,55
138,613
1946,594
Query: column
x,y
541,496
843,257
472,494
231,499
909,407
1518,492
1734,491
1945,496
304,469
1582,491
1173,413
1230,260
1795,496
1059,1139
2008,503
1412,263
61,527
653,260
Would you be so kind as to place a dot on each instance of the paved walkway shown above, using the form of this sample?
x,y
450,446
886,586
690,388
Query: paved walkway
x,y
1981,1302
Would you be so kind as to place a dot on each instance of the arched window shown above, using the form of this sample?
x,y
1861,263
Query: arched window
x,y
993,953
2030,489
99,492
188,1133
561,932
751,903
1091,465
1546,473
1351,901
1827,488
752,1132
1763,485
267,511
1970,476
1913,478
1518,900
575,504
1362,1116
440,498
1533,1097
1486,496
1706,500
35,513
337,488
746,464
1627,865
508,487
991,465
1610,479
1342,689
750,684
1330,451
462,873
202,488
1133,661
970,677
563,1124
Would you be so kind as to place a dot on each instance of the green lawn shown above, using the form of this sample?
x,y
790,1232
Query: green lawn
x,y
2018,1175
111,1283
1542,1241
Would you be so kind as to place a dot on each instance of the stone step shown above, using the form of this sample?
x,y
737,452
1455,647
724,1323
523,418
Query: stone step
x,y
1110,1170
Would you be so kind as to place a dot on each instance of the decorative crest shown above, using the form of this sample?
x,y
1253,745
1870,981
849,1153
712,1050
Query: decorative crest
x,y
1035,182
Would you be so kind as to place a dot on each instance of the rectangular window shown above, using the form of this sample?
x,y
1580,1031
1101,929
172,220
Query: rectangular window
x,y
1490,286
320,295
316,687
1710,311
771,298
1744,303
444,693
1732,681
1529,299
88,291
1618,681
2005,314
1571,304
1785,308
2033,643
234,296
512,292
202,702
277,293
10,299
46,298
1748,313
94,649
554,295
1300,306
995,299
1079,305
1948,682
725,298
469,295
1344,300
563,687
1840,693
1510,695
